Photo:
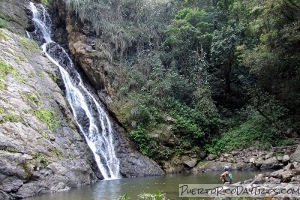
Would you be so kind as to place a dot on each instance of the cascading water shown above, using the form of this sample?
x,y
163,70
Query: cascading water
x,y
89,115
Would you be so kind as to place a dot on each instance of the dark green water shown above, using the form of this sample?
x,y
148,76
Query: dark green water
x,y
169,184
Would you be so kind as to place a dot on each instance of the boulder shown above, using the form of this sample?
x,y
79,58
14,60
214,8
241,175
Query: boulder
x,y
4,195
235,153
279,158
259,179
269,155
277,174
296,171
210,157
296,179
60,187
289,166
295,157
222,159
189,162
215,165
258,162
252,160
285,158
226,155
286,176
137,165
173,166
296,164
271,163
11,184
241,166
273,180
202,154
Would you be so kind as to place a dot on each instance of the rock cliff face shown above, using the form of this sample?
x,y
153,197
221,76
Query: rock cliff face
x,y
41,149
86,47
94,63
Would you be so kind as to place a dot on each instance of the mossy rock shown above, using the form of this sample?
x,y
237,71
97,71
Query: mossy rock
x,y
47,116
28,44
3,35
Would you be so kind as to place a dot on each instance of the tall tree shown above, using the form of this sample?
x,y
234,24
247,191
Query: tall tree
x,y
276,57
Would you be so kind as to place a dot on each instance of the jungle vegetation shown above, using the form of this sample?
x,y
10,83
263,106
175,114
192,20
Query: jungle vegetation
x,y
201,75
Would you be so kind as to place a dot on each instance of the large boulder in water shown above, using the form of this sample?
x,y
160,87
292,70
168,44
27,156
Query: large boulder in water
x,y
136,165
132,162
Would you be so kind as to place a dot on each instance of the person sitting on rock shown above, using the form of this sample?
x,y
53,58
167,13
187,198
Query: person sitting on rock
x,y
226,176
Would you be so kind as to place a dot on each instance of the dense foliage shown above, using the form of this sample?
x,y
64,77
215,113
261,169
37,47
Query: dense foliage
x,y
198,75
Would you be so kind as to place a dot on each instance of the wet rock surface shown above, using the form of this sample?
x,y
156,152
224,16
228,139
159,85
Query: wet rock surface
x,y
41,150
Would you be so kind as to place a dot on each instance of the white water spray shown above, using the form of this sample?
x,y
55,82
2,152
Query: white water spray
x,y
89,115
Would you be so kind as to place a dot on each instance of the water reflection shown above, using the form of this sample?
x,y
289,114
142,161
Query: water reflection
x,y
112,189
107,189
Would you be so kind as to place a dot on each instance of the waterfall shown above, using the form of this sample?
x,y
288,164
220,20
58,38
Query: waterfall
x,y
90,117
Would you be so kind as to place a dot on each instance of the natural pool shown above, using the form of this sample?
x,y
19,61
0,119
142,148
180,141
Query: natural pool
x,y
169,184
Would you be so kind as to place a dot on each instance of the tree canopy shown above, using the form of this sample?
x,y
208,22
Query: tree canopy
x,y
210,69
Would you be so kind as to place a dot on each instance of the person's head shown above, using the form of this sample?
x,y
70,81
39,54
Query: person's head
x,y
226,168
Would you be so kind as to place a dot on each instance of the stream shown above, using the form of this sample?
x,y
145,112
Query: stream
x,y
169,184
